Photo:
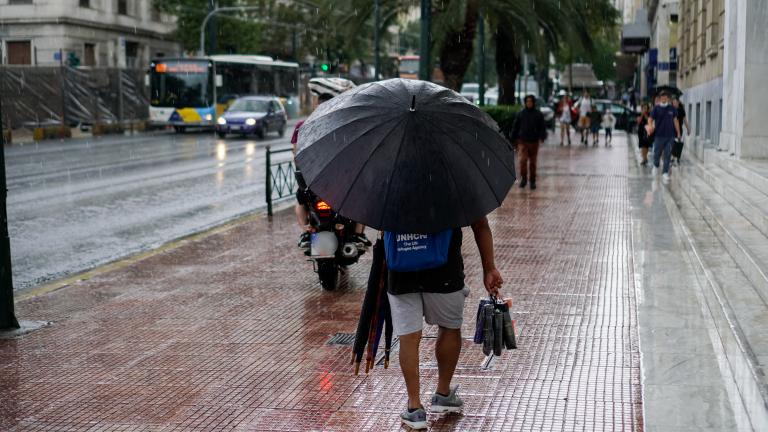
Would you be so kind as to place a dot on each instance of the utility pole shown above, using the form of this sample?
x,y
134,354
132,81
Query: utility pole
x,y
376,24
212,33
481,58
425,44
7,316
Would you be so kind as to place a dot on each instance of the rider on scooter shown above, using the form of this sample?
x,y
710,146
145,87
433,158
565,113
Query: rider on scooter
x,y
325,89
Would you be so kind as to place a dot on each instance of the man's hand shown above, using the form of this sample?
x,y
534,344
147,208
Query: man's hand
x,y
493,282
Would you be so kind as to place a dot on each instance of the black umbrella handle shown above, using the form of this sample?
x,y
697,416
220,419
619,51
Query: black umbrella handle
x,y
413,103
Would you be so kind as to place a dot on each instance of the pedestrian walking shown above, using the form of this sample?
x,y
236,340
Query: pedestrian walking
x,y
665,127
585,107
429,145
609,122
595,119
643,138
528,133
682,120
564,115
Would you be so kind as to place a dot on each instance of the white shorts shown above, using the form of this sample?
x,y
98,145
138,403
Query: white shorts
x,y
409,311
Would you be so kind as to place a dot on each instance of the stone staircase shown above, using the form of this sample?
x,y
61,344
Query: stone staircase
x,y
722,205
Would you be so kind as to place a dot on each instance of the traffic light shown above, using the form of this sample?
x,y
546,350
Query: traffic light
x,y
325,67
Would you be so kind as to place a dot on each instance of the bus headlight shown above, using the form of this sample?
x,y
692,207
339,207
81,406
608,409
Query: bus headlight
x,y
222,121
250,121
209,117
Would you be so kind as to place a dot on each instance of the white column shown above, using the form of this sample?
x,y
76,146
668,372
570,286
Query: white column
x,y
745,95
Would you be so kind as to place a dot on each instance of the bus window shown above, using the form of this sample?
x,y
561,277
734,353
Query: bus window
x,y
287,84
265,83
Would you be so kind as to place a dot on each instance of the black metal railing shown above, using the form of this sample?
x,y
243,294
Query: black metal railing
x,y
280,178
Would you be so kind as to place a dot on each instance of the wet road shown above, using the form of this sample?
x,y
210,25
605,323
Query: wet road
x,y
77,204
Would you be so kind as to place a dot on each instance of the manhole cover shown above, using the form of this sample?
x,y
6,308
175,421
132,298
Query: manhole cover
x,y
341,339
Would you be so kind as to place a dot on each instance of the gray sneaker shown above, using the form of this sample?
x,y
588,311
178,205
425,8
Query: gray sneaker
x,y
447,404
414,420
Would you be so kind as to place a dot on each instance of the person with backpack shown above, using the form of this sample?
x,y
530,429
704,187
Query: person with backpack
x,y
528,133
425,282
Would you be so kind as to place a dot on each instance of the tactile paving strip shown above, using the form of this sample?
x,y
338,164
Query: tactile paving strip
x,y
229,333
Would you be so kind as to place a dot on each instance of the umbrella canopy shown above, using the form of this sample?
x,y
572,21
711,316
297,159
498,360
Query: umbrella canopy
x,y
405,156
674,91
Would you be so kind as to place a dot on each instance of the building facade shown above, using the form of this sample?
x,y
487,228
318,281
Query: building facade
x,y
659,64
701,49
104,33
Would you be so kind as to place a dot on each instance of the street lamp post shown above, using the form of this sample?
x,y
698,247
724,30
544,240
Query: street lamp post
x,y
376,24
425,44
481,58
7,315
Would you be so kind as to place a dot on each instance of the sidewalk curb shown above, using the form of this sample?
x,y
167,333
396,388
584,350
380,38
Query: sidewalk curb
x,y
120,263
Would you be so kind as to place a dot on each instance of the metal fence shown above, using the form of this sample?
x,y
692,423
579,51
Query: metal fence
x,y
39,95
280,179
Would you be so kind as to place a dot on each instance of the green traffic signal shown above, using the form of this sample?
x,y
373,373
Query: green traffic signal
x,y
324,67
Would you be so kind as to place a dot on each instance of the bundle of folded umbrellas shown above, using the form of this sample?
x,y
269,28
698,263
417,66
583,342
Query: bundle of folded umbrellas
x,y
494,327
375,316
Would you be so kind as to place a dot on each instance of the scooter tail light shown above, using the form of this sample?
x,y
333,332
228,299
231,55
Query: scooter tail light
x,y
322,206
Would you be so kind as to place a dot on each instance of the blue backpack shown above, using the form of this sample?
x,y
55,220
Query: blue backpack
x,y
414,252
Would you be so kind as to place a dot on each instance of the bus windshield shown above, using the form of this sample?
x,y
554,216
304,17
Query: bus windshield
x,y
181,84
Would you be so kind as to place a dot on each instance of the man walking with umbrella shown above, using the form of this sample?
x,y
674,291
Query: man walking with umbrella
x,y
417,161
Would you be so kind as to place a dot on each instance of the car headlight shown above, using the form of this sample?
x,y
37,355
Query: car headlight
x,y
222,121
250,122
208,117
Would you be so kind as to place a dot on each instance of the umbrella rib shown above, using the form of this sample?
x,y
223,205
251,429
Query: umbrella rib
x,y
451,138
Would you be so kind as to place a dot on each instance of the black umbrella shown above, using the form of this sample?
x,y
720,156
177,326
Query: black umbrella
x,y
674,91
405,156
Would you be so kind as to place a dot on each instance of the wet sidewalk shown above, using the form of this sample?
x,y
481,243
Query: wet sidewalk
x,y
230,332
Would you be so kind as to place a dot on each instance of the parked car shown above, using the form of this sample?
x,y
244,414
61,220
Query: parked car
x,y
256,115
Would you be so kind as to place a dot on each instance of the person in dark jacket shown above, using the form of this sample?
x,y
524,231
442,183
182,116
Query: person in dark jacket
x,y
528,132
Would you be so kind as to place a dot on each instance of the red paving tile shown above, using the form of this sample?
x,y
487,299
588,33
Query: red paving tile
x,y
229,332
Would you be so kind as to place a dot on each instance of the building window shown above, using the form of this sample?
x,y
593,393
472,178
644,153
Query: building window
x,y
85,3
122,7
132,54
20,2
698,119
89,55
708,125
19,52
155,12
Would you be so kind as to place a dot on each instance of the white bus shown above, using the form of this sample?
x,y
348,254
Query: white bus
x,y
194,92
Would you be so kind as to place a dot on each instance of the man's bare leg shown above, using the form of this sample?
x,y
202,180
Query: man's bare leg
x,y
302,216
447,352
409,364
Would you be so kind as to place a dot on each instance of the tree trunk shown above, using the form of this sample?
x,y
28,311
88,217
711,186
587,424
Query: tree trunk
x,y
456,52
507,64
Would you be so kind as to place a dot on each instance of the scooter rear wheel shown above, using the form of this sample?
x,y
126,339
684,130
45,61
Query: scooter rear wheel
x,y
329,275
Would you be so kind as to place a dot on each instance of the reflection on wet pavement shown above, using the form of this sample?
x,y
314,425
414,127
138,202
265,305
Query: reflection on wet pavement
x,y
229,332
